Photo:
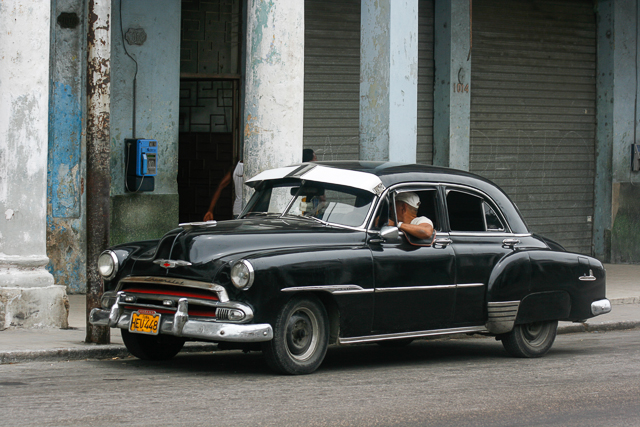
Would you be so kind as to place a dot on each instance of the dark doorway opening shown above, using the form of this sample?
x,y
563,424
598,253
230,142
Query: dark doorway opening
x,y
207,145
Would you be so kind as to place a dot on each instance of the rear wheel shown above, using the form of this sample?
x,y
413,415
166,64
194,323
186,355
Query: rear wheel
x,y
530,339
300,337
152,347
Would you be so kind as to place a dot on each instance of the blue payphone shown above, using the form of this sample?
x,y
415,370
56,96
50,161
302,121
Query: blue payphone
x,y
141,164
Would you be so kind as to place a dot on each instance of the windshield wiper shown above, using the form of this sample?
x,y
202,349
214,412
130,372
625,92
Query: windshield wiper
x,y
305,217
253,214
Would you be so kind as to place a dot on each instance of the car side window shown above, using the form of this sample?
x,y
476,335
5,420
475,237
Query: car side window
x,y
468,212
491,219
428,208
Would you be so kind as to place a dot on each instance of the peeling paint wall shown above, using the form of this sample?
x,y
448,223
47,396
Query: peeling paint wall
x,y
389,80
24,83
274,91
157,104
28,296
66,225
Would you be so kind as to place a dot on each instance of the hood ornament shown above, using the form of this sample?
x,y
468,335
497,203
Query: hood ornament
x,y
170,263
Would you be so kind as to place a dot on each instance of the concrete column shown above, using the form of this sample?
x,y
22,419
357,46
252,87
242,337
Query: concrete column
x,y
28,296
604,134
625,184
452,91
389,80
274,88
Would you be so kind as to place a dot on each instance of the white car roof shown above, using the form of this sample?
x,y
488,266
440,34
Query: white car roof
x,y
320,173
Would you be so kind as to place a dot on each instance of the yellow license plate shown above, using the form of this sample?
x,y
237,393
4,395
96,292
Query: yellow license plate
x,y
144,322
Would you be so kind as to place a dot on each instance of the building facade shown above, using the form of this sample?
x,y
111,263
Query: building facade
x,y
540,97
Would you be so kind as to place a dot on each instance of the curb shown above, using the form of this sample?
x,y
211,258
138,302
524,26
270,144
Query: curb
x,y
598,327
95,352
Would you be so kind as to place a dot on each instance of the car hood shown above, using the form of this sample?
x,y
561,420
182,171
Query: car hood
x,y
238,238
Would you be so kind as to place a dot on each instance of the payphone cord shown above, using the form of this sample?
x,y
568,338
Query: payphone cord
x,y
126,173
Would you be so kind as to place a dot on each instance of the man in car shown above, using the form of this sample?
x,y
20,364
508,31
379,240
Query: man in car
x,y
407,205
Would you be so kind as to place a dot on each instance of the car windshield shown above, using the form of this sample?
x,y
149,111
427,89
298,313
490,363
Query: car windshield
x,y
315,201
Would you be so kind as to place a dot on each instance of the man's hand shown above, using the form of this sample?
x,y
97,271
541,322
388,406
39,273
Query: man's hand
x,y
208,216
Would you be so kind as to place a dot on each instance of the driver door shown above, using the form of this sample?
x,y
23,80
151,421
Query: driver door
x,y
414,285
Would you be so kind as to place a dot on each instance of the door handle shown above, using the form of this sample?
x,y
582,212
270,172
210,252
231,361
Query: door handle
x,y
443,242
510,243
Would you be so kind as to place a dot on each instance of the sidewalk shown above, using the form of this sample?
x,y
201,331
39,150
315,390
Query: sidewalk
x,y
24,345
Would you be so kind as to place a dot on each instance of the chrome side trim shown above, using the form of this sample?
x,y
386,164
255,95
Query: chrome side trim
x,y
355,289
414,334
502,316
602,306
332,289
415,288
219,290
470,285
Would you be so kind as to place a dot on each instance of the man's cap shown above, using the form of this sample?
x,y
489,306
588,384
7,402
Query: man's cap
x,y
409,198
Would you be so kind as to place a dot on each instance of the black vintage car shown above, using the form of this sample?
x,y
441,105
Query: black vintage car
x,y
315,259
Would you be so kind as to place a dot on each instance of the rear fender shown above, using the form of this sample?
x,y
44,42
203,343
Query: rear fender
x,y
541,306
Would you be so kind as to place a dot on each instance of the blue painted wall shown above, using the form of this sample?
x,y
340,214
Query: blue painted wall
x,y
66,225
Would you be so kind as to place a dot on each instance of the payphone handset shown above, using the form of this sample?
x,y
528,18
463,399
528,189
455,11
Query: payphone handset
x,y
146,157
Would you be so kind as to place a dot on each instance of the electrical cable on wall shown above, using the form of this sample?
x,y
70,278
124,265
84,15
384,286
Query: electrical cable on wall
x,y
135,76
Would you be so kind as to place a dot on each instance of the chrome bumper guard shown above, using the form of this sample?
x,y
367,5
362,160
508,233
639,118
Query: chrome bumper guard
x,y
602,306
181,326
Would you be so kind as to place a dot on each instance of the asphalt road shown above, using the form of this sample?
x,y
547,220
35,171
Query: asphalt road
x,y
587,379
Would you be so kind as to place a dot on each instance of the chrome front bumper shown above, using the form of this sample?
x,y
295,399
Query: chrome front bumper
x,y
602,306
180,325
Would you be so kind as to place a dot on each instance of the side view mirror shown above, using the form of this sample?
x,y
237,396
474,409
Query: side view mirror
x,y
388,232
385,233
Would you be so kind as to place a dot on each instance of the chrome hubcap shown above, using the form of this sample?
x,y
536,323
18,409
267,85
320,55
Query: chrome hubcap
x,y
302,334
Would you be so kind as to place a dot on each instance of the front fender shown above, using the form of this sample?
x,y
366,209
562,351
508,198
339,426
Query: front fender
x,y
283,274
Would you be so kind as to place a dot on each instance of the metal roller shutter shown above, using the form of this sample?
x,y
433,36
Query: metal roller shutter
x,y
533,100
425,82
332,78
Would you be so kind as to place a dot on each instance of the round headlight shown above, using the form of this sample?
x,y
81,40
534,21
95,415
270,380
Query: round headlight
x,y
108,264
242,275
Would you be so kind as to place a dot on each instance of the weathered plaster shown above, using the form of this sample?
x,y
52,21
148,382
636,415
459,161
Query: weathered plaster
x,y
452,90
389,80
274,89
33,307
28,297
156,109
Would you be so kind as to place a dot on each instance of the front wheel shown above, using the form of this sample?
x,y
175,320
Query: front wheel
x,y
152,347
530,339
300,337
